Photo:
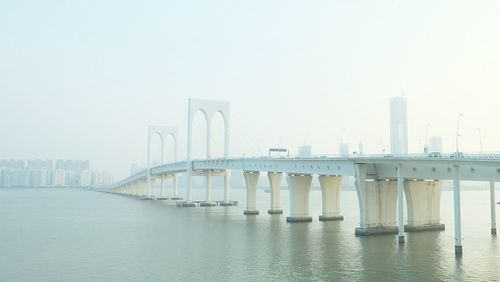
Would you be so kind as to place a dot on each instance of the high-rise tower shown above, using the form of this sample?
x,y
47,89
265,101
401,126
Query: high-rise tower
x,y
399,126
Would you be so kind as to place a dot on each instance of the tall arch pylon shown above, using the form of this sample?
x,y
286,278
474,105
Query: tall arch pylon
x,y
163,132
209,108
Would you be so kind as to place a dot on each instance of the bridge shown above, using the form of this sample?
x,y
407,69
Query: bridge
x,y
381,181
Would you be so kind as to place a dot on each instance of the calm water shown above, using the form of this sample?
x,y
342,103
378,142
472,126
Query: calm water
x,y
76,235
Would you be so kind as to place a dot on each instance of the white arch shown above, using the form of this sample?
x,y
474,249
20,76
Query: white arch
x,y
209,108
163,132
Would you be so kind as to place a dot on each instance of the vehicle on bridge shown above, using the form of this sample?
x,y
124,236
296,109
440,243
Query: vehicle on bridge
x,y
457,155
435,155
279,152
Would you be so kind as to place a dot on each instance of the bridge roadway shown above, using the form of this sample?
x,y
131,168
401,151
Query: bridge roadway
x,y
380,182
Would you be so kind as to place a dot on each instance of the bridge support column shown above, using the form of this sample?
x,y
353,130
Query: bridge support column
x,y
400,182
423,203
145,189
251,179
493,207
226,201
135,188
275,183
162,186
330,192
456,209
208,198
299,187
377,204
175,195
151,190
189,189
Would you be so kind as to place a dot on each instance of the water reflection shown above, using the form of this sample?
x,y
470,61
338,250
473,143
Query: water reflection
x,y
299,251
121,239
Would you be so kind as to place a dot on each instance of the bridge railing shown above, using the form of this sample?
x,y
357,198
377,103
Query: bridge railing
x,y
222,162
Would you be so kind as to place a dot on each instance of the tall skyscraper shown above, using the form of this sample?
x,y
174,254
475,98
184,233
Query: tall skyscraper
x,y
399,126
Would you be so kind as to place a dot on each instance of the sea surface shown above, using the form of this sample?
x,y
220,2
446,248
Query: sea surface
x,y
81,235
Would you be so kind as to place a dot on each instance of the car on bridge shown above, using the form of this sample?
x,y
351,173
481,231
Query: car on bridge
x,y
457,155
435,155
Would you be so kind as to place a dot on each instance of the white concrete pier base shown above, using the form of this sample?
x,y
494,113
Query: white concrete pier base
x,y
175,194
400,180
134,189
456,208
251,179
377,207
208,199
162,182
493,207
330,192
144,188
188,203
275,183
423,204
299,187
226,202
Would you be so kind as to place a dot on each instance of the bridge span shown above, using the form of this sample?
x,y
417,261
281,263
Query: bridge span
x,y
381,181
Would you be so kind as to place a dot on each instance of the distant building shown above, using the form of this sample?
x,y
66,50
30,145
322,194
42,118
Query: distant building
x,y
304,151
40,173
86,178
399,126
59,177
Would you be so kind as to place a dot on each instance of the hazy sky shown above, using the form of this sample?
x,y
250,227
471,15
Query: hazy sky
x,y
84,79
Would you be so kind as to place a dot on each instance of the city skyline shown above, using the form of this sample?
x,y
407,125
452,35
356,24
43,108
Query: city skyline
x,y
51,173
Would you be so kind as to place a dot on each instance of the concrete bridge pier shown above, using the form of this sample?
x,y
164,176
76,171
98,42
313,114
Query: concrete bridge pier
x,y
189,190
208,198
275,183
149,185
377,204
456,209
226,202
162,186
175,194
135,189
400,184
493,207
423,203
145,188
152,190
299,187
330,191
251,178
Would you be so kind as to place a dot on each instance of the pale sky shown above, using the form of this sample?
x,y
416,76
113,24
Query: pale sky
x,y
84,79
